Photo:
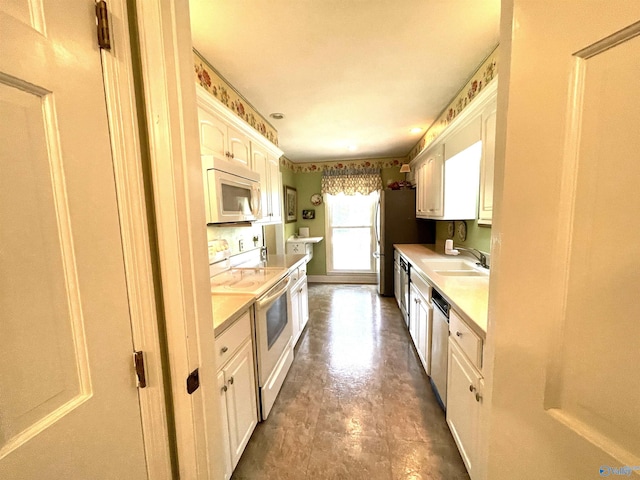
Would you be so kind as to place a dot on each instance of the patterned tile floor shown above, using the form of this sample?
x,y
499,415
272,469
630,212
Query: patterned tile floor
x,y
356,403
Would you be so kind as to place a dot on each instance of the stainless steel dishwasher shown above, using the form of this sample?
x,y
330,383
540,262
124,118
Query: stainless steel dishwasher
x,y
440,347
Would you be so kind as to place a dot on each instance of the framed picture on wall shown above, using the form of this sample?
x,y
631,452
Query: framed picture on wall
x,y
290,204
308,214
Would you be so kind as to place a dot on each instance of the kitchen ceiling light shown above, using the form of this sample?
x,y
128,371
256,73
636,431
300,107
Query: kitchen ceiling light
x,y
352,148
277,116
415,130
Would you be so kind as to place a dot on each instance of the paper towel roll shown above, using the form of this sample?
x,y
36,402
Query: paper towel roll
x,y
303,232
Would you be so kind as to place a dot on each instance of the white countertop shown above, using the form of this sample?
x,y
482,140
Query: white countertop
x,y
227,306
294,239
469,296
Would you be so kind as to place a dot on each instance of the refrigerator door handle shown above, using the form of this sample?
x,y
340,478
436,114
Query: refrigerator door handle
x,y
377,222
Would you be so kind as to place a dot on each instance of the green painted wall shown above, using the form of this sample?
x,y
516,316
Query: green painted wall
x,y
308,184
390,175
478,237
288,179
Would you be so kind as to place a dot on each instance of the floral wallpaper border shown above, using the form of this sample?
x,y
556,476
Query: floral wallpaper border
x,y
346,164
480,79
212,82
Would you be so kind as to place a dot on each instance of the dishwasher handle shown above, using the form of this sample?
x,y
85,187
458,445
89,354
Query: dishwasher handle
x,y
441,303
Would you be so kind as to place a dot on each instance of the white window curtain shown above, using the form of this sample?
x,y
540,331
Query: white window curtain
x,y
351,181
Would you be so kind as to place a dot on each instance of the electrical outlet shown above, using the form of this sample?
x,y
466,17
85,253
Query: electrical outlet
x,y
241,244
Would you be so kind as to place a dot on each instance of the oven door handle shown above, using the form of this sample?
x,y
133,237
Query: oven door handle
x,y
266,301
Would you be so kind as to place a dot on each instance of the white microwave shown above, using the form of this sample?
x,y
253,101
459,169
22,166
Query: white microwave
x,y
232,193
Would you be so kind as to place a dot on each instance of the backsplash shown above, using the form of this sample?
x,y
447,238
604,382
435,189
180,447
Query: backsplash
x,y
480,79
208,78
478,237
235,234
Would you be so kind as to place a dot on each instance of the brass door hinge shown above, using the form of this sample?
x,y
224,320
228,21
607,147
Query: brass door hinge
x,y
193,381
138,362
102,17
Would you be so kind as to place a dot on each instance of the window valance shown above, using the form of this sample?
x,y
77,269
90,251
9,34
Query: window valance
x,y
351,181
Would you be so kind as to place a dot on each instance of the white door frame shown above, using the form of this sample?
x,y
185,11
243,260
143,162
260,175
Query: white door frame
x,y
164,36
128,176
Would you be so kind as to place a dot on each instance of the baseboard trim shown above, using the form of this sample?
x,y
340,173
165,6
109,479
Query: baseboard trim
x,y
365,279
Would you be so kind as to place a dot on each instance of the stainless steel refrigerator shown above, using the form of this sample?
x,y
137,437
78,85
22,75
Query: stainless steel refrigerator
x,y
396,222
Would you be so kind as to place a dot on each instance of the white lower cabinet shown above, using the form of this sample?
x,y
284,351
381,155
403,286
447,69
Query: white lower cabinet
x,y
420,319
464,405
299,296
396,277
224,421
238,403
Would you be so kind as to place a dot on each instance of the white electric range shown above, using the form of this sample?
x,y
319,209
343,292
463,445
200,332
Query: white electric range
x,y
273,324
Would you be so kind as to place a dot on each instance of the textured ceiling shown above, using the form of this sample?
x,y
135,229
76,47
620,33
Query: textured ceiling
x,y
346,72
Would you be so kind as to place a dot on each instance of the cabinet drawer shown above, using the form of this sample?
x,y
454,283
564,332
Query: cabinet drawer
x,y
466,339
298,273
231,339
295,275
423,287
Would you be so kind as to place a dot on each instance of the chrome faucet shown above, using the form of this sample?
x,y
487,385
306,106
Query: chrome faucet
x,y
482,258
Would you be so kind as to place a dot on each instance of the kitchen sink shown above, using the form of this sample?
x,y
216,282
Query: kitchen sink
x,y
461,273
458,265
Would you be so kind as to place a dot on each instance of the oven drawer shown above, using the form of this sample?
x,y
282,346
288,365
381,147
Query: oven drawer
x,y
232,338
466,339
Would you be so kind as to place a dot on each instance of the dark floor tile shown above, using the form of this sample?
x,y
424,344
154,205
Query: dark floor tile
x,y
424,461
356,403
275,453
349,457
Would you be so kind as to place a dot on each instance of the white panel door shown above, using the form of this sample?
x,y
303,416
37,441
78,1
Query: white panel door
x,y
239,147
563,357
242,406
275,185
259,164
224,421
68,398
213,137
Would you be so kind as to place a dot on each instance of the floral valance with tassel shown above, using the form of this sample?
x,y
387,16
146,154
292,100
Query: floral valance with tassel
x,y
351,181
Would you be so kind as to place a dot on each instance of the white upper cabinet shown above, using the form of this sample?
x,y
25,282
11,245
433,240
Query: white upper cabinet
x,y
448,173
222,141
430,187
226,136
268,167
485,207
239,147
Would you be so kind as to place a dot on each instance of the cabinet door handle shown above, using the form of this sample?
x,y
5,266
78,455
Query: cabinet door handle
x,y
231,381
472,388
224,349
478,397
224,389
458,334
